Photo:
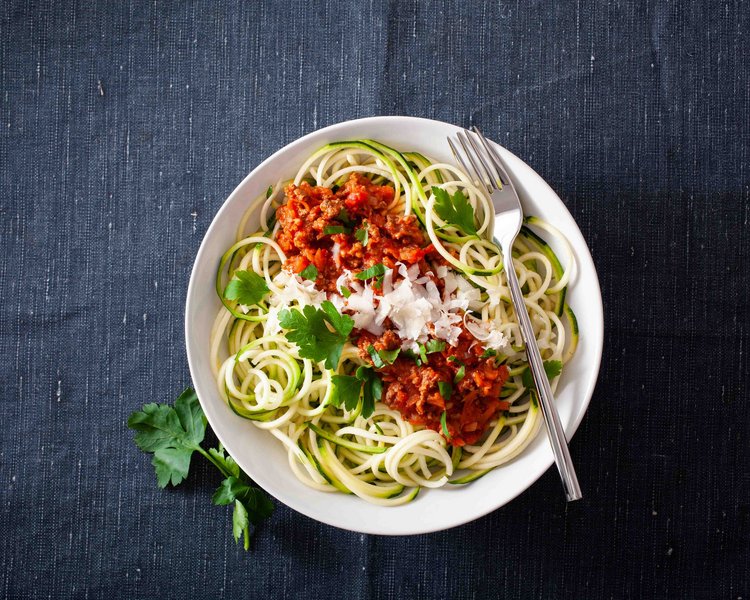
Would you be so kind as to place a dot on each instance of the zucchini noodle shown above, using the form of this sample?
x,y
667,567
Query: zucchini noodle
x,y
383,458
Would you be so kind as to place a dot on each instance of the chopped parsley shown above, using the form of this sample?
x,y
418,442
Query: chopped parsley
x,y
381,358
460,374
363,234
309,330
373,271
444,424
446,389
246,287
434,346
332,229
344,217
269,191
310,272
345,291
488,352
455,210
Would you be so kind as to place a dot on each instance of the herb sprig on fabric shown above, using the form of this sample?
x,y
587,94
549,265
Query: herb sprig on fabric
x,y
172,433
455,210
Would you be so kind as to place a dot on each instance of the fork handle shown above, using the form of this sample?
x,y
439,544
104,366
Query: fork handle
x,y
546,400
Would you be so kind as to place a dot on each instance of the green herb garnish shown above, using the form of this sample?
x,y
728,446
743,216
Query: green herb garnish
x,y
455,210
381,358
308,329
434,346
331,229
373,271
310,272
345,291
446,389
444,424
172,434
246,287
488,352
362,234
552,369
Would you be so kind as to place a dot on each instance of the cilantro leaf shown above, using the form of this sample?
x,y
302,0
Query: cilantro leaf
x,y
246,287
308,329
346,389
310,272
363,234
444,425
373,271
455,210
172,434
446,389
551,367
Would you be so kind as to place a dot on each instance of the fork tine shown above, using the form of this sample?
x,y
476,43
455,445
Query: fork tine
x,y
494,156
458,157
477,173
489,169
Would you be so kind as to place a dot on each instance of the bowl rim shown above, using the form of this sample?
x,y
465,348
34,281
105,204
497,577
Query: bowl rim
x,y
570,428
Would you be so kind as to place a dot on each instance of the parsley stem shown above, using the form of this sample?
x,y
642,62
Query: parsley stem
x,y
214,462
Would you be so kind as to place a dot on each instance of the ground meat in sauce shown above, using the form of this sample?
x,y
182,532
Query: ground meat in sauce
x,y
414,391
359,203
410,388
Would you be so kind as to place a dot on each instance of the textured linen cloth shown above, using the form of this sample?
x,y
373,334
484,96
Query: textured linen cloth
x,y
124,126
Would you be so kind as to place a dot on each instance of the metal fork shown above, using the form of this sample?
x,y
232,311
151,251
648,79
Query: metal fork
x,y
490,172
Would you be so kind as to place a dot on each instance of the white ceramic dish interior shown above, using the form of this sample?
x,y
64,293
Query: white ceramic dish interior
x,y
264,459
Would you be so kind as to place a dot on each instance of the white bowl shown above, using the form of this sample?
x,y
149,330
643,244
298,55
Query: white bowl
x,y
264,459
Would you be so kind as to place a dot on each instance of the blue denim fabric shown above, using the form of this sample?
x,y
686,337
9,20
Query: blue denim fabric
x,y
123,127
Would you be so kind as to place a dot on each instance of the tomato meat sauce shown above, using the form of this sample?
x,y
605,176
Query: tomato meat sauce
x,y
325,227
319,226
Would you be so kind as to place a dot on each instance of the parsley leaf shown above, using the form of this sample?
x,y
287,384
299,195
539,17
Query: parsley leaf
x,y
373,271
446,389
346,389
250,506
488,352
455,210
308,329
551,367
381,358
172,434
444,424
460,374
310,272
331,229
363,234
344,217
269,191
246,287
434,346
372,389
345,291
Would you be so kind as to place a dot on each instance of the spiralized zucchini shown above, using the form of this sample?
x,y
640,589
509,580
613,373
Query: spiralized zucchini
x,y
383,458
